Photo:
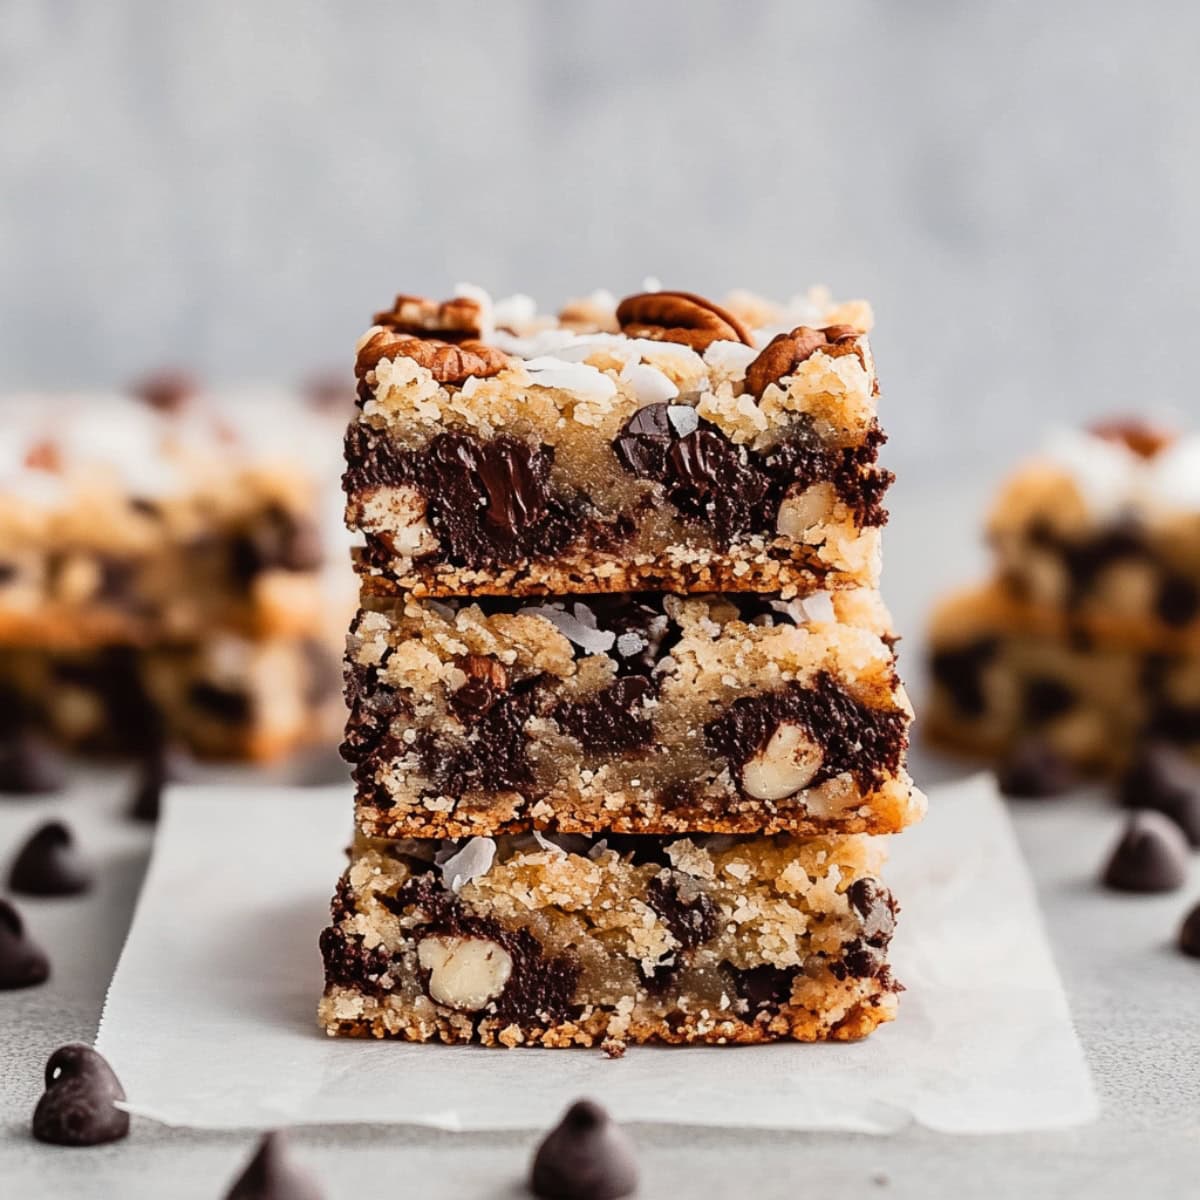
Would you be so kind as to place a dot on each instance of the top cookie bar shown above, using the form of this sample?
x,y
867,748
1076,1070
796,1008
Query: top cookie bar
x,y
662,443
1104,526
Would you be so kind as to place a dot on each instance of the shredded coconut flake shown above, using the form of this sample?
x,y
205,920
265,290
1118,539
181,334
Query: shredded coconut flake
x,y
731,357
594,641
473,860
818,608
684,419
577,378
629,644
649,384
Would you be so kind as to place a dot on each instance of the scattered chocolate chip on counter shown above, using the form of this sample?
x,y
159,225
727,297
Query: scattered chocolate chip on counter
x,y
1151,856
30,765
79,1105
50,864
1189,933
1163,778
585,1157
1035,770
23,963
271,1175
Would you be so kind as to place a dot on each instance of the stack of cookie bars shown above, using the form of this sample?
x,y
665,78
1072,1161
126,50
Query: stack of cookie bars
x,y
624,710
1087,637
162,571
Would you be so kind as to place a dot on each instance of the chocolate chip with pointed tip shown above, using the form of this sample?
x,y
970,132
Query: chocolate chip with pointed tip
x,y
79,1105
30,765
23,963
164,763
1189,933
1163,778
1150,856
1033,770
585,1157
49,864
271,1175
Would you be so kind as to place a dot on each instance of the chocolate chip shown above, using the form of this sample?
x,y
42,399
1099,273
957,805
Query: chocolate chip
x,y
763,987
163,763
1150,856
1189,933
79,1105
1034,769
1046,698
585,1157
271,1175
610,720
961,672
30,765
877,908
49,864
1163,778
1178,600
23,962
687,911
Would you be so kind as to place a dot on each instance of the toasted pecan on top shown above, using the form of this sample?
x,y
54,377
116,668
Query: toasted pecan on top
x,y
448,362
786,351
679,317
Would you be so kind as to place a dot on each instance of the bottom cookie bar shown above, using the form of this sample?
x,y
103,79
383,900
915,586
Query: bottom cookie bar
x,y
522,940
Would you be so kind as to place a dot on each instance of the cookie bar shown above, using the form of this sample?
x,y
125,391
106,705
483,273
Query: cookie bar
x,y
1003,671
637,713
662,443
578,942
228,697
1105,525
125,522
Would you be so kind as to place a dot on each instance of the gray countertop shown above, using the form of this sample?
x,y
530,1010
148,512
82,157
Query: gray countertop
x,y
1136,1003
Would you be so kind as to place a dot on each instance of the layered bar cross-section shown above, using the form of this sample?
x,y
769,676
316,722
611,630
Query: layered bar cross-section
x,y
578,942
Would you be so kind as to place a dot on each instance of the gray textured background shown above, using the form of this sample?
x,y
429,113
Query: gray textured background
x,y
237,185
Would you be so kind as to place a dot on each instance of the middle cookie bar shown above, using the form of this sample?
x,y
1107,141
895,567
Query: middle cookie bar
x,y
633,713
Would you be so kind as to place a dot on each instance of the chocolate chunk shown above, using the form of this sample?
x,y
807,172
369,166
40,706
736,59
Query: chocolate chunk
x,y
162,763
860,960
23,962
867,742
609,722
49,864
1046,698
585,1157
961,672
486,681
1150,856
1034,769
687,911
348,962
1163,778
30,765
230,705
1189,933
271,1175
79,1105
765,987
168,390
1178,600
277,541
877,908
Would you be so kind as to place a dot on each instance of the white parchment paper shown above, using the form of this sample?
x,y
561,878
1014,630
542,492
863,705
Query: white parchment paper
x,y
210,1017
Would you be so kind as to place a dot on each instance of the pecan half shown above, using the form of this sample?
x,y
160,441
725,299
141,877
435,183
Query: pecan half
x,y
679,317
1144,439
447,362
451,320
786,351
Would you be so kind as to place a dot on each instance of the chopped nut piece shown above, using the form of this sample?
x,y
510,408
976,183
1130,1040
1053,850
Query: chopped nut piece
x,y
464,972
679,317
783,766
447,362
451,320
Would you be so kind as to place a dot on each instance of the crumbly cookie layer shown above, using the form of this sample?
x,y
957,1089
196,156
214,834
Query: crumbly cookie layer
x,y
667,445
1003,670
636,713
1105,526
225,698
522,941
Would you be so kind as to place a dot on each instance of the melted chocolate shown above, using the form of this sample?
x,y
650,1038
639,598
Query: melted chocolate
x,y
609,722
866,742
